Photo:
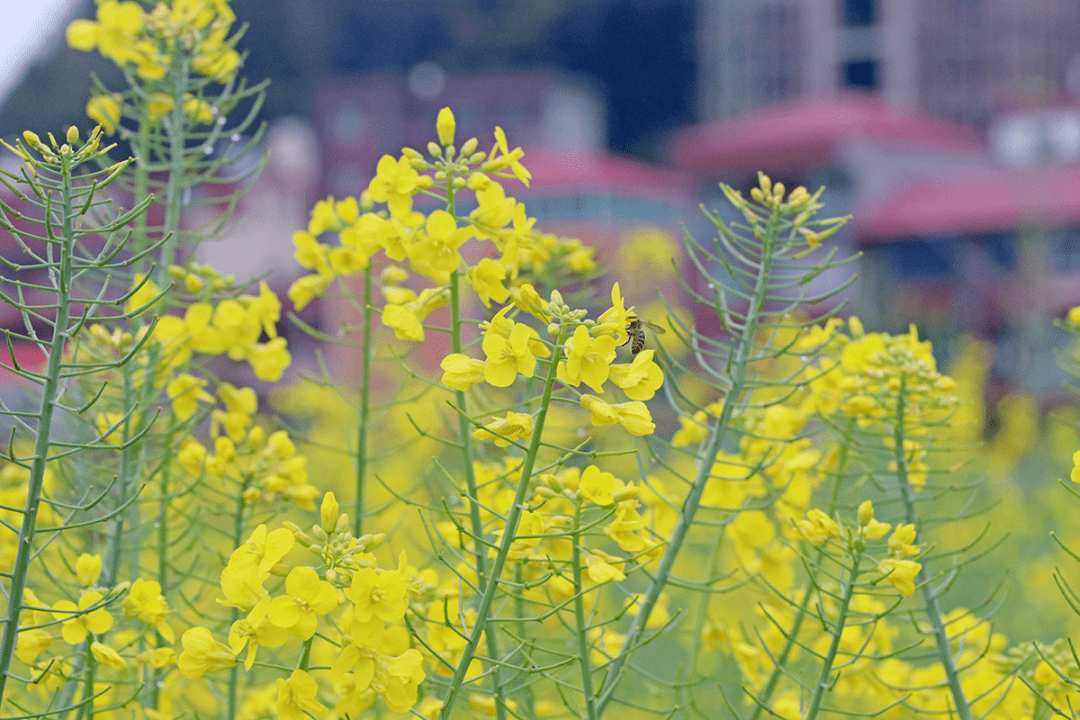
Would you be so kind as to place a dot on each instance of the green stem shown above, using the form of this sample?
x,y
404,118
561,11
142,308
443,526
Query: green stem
x,y
465,439
365,389
177,140
512,519
114,550
743,351
87,710
804,602
162,548
238,534
579,620
44,432
930,600
834,644
142,185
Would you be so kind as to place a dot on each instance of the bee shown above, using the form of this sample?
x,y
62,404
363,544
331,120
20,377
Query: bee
x,y
635,331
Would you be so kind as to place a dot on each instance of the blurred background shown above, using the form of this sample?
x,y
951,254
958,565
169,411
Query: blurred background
x,y
949,129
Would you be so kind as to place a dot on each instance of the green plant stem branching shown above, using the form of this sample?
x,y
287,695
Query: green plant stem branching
x,y
743,354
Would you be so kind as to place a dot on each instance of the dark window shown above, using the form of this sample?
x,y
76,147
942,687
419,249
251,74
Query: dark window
x,y
860,13
861,74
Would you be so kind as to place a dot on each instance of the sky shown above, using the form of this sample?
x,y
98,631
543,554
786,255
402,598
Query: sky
x,y
27,27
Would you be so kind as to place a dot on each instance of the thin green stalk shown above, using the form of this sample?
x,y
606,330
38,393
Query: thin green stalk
x,y
44,433
177,141
930,601
87,710
834,644
465,439
305,654
365,389
238,535
113,554
579,621
804,602
512,519
719,432
142,186
162,547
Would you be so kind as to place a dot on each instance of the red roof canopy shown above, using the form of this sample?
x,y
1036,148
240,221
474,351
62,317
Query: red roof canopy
x,y
794,135
563,170
985,202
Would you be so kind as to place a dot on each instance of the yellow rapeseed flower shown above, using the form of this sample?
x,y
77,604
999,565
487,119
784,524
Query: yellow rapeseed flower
x,y
588,359
461,372
514,426
87,569
76,626
308,598
203,654
507,357
901,573
384,595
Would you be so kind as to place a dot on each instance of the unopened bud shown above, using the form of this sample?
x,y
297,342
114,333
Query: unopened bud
x,y
478,181
470,146
193,283
556,298
411,153
434,150
459,182
72,135
319,534
553,328
31,139
626,493
546,493
477,158
328,513
445,126
279,569
331,575
866,513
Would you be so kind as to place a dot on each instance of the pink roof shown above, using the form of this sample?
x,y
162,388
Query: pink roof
x,y
563,170
983,202
806,131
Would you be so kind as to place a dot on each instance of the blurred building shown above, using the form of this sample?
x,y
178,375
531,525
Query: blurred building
x,y
360,118
861,148
958,59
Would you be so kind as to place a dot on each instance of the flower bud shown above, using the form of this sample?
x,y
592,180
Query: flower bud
x,y
478,181
319,534
626,493
445,126
300,535
477,158
556,298
331,575
546,493
72,135
434,150
193,283
553,329
343,521
411,153
459,182
328,513
31,139
279,569
866,513
469,147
